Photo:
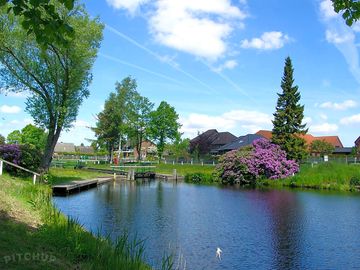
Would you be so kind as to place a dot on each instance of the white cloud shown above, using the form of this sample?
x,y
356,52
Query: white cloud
x,y
347,104
354,119
341,36
268,41
323,116
80,123
229,64
327,10
332,36
324,128
10,109
234,121
131,5
198,27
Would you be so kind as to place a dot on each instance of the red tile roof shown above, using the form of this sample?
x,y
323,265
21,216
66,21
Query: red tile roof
x,y
333,140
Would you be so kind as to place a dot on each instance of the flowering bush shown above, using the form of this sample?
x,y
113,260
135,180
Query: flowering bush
x,y
23,155
264,160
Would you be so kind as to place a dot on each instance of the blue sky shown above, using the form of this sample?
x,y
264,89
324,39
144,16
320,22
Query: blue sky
x,y
220,63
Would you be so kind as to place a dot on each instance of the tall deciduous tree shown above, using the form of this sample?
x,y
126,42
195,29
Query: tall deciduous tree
x,y
112,123
288,117
138,120
164,126
58,77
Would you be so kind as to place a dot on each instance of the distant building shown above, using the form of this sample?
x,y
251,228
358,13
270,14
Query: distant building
x,y
64,148
240,142
333,140
357,145
210,142
85,149
147,148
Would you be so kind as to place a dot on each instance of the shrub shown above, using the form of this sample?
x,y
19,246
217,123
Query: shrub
x,y
263,160
199,178
355,181
23,155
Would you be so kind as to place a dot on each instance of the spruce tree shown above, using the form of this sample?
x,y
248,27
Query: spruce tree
x,y
288,117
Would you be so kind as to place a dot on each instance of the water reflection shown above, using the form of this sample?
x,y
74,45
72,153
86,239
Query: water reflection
x,y
255,229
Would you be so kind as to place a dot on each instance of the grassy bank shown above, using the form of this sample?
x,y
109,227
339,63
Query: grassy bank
x,y
332,176
61,175
34,235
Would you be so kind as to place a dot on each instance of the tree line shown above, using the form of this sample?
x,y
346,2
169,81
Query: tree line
x,y
129,118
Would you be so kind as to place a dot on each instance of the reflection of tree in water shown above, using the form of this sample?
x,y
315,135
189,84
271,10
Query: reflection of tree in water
x,y
287,227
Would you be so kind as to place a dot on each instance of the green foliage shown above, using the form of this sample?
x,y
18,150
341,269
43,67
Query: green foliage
x,y
43,19
30,135
288,117
14,137
322,147
179,148
164,126
57,76
350,10
2,139
355,181
199,178
138,120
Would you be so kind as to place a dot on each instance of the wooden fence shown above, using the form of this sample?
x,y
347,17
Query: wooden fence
x,y
35,175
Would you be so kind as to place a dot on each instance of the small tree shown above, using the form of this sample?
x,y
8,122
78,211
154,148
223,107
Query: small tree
x,y
288,117
179,148
164,126
321,147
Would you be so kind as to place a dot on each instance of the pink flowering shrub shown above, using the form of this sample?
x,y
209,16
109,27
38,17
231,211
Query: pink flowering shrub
x,y
263,160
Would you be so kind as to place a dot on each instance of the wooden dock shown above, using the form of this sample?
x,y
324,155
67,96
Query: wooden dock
x,y
79,185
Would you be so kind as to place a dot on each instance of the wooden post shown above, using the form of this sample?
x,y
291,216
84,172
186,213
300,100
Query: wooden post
x,y
1,167
175,175
34,179
182,162
114,175
202,163
191,162
173,162
132,175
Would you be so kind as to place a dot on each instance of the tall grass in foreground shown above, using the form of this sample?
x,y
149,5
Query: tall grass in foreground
x,y
333,176
67,240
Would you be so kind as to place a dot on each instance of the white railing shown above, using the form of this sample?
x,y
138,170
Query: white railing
x,y
19,167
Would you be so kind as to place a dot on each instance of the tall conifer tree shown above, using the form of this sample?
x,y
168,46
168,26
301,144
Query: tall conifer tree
x,y
288,117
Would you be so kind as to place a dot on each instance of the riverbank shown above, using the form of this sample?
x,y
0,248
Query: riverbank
x,y
35,235
327,176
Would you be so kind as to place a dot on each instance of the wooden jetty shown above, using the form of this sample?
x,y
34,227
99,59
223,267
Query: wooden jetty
x,y
79,185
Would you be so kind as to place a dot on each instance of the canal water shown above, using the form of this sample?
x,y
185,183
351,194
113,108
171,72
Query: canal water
x,y
272,229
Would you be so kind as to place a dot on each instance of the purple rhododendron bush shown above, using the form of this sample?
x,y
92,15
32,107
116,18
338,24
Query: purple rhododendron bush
x,y
25,155
263,160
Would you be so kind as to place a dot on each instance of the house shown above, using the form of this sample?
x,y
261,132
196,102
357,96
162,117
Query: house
x,y
64,148
240,142
210,141
333,140
357,143
147,148
85,149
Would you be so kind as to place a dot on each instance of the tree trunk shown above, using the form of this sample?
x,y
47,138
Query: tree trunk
x,y
51,141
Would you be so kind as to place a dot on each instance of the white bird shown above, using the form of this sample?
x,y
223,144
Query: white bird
x,y
218,253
